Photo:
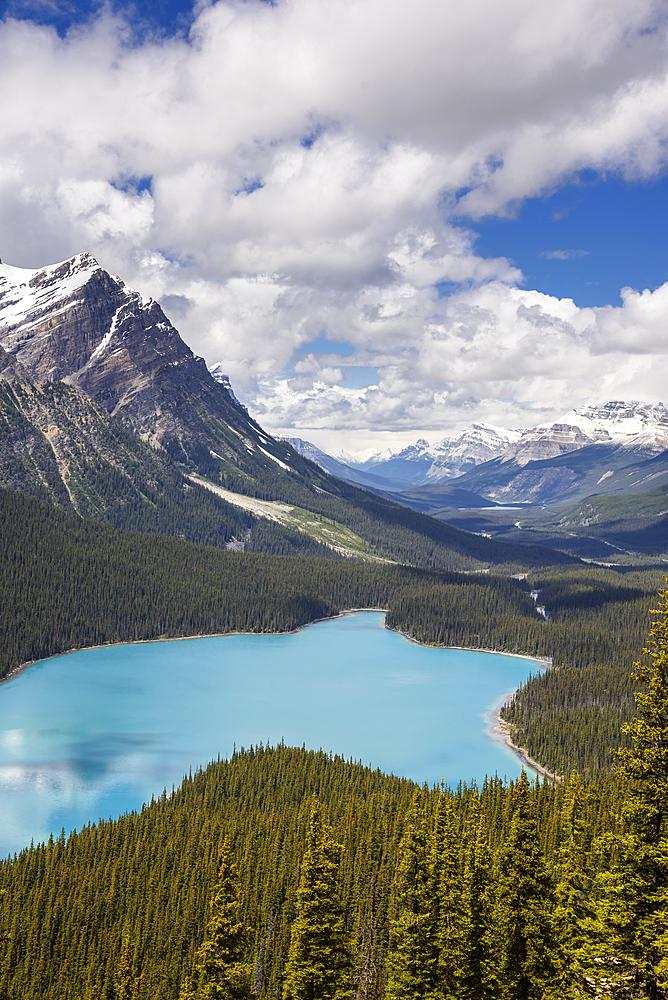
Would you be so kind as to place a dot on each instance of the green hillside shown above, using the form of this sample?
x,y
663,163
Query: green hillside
x,y
67,582
60,446
632,522
72,906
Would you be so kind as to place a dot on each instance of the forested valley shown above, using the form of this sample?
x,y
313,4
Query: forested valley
x,y
296,875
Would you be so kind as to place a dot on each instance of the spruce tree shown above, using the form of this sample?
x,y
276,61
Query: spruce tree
x,y
522,914
446,892
413,956
220,972
127,984
478,979
319,963
578,930
637,897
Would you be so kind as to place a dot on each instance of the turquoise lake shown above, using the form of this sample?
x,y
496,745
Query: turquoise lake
x,y
98,732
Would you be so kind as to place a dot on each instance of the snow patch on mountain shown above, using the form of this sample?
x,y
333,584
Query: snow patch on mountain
x,y
423,462
617,418
360,459
216,373
28,292
635,425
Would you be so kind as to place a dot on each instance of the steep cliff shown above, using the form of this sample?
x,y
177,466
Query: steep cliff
x,y
73,322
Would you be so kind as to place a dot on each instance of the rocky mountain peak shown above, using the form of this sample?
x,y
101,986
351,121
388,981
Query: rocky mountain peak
x,y
617,417
76,323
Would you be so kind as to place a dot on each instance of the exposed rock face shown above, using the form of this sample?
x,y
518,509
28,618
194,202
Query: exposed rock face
x,y
56,443
548,442
74,322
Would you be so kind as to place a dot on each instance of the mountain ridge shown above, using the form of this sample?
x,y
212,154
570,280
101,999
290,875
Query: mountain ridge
x,y
636,425
86,360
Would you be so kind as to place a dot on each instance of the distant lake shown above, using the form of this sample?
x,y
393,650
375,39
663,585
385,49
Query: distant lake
x,y
98,732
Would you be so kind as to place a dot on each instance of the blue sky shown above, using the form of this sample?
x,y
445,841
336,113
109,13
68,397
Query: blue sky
x,y
615,234
165,16
386,221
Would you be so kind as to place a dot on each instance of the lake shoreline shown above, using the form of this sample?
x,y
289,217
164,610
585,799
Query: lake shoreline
x,y
497,729
176,638
501,731
545,662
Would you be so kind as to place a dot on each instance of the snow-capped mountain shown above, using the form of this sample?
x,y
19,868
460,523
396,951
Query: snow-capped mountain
x,y
424,463
362,459
477,444
635,425
74,322
616,418
351,474
216,372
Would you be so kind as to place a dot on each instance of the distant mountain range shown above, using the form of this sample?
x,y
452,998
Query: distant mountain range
x,y
105,410
488,459
616,450
635,425
451,457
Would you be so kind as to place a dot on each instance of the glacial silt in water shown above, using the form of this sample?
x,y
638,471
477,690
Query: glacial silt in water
x,y
98,732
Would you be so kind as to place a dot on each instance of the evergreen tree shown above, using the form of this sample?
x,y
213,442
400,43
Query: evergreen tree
x,y
576,926
220,972
318,961
413,956
522,909
446,892
127,985
478,976
638,884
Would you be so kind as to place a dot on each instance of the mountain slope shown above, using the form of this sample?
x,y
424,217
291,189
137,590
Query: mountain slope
x,y
632,522
73,323
560,481
58,445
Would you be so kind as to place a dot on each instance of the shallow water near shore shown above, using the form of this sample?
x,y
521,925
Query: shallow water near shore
x,y
100,731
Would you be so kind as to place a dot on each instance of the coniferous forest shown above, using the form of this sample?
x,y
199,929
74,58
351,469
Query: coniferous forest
x,y
289,873
297,875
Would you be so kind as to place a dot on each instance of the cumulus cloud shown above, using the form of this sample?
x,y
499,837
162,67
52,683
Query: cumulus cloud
x,y
311,168
519,357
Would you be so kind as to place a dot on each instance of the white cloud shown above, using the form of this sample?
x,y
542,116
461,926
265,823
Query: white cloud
x,y
564,254
517,357
290,171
